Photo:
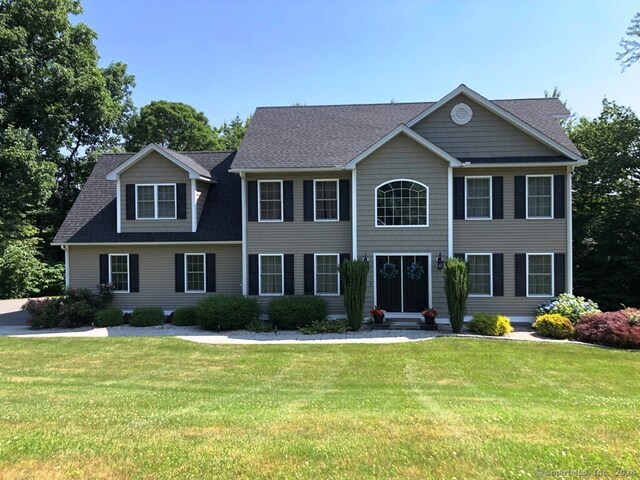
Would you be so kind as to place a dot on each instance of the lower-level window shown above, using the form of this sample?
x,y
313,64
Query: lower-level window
x,y
194,272
539,274
271,274
119,271
480,283
327,277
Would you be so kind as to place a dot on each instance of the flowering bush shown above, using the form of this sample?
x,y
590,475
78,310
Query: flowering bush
x,y
569,306
553,325
633,315
105,292
377,311
75,313
44,313
612,329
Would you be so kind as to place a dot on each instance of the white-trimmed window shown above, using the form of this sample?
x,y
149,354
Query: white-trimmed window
x,y
539,274
325,200
195,279
478,198
327,281
156,201
402,203
271,274
539,196
119,271
480,274
270,200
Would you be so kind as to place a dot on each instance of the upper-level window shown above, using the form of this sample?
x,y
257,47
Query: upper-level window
x,y
480,274
539,196
270,200
478,198
119,271
194,272
539,274
402,203
157,201
326,200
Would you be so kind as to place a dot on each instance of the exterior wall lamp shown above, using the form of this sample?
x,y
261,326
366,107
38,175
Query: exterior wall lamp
x,y
440,262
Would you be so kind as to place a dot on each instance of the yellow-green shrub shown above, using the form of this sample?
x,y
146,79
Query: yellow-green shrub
x,y
490,324
553,325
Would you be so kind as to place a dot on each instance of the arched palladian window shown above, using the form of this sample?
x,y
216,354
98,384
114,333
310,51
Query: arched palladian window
x,y
402,203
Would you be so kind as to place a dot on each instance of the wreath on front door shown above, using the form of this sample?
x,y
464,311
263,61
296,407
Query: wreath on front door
x,y
415,271
389,271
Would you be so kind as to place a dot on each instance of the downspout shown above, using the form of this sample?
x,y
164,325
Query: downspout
x,y
450,210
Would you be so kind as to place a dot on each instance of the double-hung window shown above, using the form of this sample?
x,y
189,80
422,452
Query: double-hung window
x,y
480,274
326,200
271,274
327,276
478,198
119,271
270,200
157,201
539,196
195,268
539,274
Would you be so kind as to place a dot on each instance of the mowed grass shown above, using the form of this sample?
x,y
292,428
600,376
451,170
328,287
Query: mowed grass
x,y
162,408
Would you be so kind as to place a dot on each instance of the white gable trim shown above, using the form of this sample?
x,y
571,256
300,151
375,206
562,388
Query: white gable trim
x,y
114,174
411,134
500,112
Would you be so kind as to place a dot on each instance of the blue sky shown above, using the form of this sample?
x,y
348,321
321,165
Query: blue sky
x,y
228,57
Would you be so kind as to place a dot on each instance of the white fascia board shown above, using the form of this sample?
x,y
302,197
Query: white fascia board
x,y
500,112
113,175
115,244
578,163
411,134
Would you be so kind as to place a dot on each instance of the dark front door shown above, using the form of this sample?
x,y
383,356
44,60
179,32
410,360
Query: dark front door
x,y
402,282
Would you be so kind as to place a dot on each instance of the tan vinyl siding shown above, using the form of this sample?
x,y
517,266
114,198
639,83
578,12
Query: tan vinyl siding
x,y
404,158
509,236
486,135
157,272
154,169
300,237
202,189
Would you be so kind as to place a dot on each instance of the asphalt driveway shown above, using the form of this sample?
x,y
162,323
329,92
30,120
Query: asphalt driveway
x,y
11,313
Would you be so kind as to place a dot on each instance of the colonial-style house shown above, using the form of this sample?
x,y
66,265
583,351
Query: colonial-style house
x,y
402,185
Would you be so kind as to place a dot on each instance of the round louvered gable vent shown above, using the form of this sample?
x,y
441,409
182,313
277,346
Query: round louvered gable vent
x,y
461,114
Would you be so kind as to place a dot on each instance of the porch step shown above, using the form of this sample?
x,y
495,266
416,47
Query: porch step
x,y
402,324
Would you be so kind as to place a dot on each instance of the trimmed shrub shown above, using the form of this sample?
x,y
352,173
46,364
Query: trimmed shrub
x,y
490,324
568,306
147,317
553,325
259,326
456,287
76,313
353,274
44,313
291,313
325,326
608,328
109,317
184,316
226,312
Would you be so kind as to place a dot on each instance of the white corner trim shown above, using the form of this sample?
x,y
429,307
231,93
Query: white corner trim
x,y
67,273
450,210
411,134
243,179
118,205
500,112
569,215
354,214
194,207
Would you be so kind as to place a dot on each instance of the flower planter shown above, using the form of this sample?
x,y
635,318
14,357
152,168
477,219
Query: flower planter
x,y
429,319
378,319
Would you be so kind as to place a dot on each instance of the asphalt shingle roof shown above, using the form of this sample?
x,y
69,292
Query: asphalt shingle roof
x,y
330,136
92,219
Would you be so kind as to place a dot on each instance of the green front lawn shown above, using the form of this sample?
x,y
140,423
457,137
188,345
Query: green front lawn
x,y
164,408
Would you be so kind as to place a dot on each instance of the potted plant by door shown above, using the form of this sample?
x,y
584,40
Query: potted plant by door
x,y
429,315
378,315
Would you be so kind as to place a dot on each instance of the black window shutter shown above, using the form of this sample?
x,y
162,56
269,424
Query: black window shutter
x,y
343,257
521,274
253,274
559,273
104,268
181,196
459,255
307,192
287,185
252,201
180,272
345,196
458,198
211,272
498,198
520,194
130,191
558,196
309,272
498,275
134,273
288,274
